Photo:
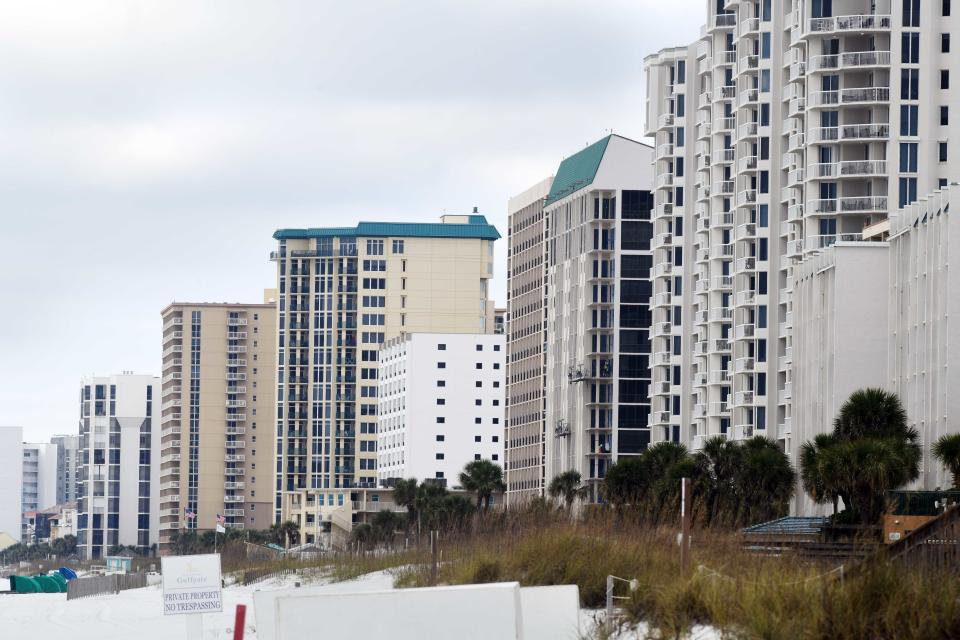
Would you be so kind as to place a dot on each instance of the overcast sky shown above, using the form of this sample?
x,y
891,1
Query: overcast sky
x,y
150,149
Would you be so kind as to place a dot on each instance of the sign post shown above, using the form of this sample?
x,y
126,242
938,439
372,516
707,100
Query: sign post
x,y
192,586
686,501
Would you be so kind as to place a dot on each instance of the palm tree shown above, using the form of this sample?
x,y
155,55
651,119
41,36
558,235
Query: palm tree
x,y
287,530
405,495
567,485
764,480
812,476
626,482
947,451
872,450
483,478
717,464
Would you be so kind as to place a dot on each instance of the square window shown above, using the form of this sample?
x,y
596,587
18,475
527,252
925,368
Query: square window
x,y
478,383
476,438
441,401
479,347
476,421
495,457
479,365
476,456
439,456
439,475
441,437
496,403
441,383
478,402
441,419
441,347
496,365
496,421
496,347
496,438
441,365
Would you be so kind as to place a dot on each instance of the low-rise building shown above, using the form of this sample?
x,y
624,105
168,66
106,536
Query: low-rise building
x,y
39,485
441,404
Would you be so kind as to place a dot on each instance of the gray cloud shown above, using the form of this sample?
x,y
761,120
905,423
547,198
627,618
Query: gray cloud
x,y
151,148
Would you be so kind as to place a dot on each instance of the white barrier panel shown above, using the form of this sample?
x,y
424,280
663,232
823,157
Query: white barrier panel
x,y
551,613
264,599
469,612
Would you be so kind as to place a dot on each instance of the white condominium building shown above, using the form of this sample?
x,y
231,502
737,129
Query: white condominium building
x,y
441,405
216,453
39,481
117,499
599,262
68,447
343,292
787,127
11,481
839,339
923,347
526,336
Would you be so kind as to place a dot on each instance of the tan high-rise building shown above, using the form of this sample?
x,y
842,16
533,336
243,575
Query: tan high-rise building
x,y
344,292
526,334
217,455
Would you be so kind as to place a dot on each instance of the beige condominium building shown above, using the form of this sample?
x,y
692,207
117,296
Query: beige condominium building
x,y
217,455
343,292
526,335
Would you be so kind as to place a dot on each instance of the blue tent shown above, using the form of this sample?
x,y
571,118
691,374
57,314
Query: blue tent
x,y
69,574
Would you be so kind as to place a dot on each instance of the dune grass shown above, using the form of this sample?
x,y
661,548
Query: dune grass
x,y
742,595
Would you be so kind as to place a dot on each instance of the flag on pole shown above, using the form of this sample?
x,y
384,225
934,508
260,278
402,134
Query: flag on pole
x,y
190,514
221,519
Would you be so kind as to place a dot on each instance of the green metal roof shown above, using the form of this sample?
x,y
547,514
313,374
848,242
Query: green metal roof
x,y
477,227
578,171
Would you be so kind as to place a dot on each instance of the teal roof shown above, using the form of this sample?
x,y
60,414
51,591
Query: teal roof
x,y
577,171
476,227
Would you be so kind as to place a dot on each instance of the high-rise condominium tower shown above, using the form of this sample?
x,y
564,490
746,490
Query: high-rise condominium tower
x,y
788,126
117,498
39,481
217,455
526,336
599,262
342,293
11,481
67,455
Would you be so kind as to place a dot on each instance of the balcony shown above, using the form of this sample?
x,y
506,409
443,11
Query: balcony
x,y
852,60
233,513
237,335
747,163
746,130
169,351
746,298
176,321
744,331
665,150
236,322
235,431
236,404
720,377
726,124
746,97
746,264
851,133
849,169
855,95
743,397
744,365
722,283
662,299
723,188
235,444
718,408
665,120
848,24
859,204
749,26
724,21
722,346
233,499
742,431
231,457
721,251
821,242
237,348
720,220
236,377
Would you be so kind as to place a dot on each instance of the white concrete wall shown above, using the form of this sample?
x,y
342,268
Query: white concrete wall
x,y
408,430
11,480
839,341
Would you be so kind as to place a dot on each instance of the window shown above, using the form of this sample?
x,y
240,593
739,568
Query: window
x,y
908,157
375,247
441,420
441,347
479,365
910,48
942,151
476,456
478,383
441,365
476,421
911,13
496,365
441,401
909,116
476,438
765,45
398,246
944,116
441,383
495,457
945,8
441,437
944,78
945,42
910,84
439,456
496,347
496,438
479,347
478,402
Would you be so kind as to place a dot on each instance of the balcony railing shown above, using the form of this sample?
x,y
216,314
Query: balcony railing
x,y
850,23
850,60
851,204
849,168
855,95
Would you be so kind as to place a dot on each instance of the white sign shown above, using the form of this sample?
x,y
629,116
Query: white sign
x,y
191,584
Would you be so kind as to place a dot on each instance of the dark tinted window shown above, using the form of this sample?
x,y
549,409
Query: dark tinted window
x,y
633,441
635,316
634,391
635,291
634,342
634,367
635,236
635,266
636,205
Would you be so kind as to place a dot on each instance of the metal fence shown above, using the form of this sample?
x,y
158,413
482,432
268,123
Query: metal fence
x,y
97,585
